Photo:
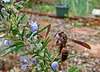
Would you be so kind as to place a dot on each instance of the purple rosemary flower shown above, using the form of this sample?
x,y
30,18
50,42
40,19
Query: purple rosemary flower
x,y
43,50
35,37
54,65
14,47
3,9
34,27
24,60
24,67
6,42
6,0
33,60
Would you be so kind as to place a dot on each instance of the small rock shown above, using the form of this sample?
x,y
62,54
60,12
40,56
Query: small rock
x,y
97,61
86,55
80,62
75,60
96,12
94,69
73,52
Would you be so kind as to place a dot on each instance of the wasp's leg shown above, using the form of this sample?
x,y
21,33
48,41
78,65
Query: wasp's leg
x,y
55,57
52,46
69,51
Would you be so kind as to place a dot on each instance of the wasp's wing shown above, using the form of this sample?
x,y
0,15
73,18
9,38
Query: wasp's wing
x,y
80,43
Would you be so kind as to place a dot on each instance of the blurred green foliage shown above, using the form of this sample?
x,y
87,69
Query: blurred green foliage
x,y
77,7
44,8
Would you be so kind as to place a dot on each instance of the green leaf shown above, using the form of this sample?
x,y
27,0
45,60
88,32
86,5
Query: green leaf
x,y
41,29
41,64
34,55
11,51
44,59
71,68
22,3
18,42
25,3
18,33
48,52
24,18
17,18
23,33
86,64
15,44
44,55
45,43
37,60
38,39
38,25
79,68
21,19
47,56
34,44
78,25
47,67
2,15
26,53
72,55
2,31
9,47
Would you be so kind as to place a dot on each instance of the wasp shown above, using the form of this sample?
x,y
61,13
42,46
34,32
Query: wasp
x,y
62,38
65,53
61,41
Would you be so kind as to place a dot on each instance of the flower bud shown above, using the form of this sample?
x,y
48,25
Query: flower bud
x,y
3,9
40,53
6,43
33,60
54,65
24,67
34,27
25,61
